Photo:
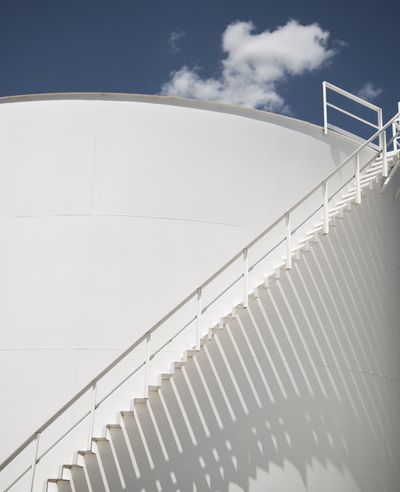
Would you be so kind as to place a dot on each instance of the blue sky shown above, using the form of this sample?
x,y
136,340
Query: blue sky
x,y
135,46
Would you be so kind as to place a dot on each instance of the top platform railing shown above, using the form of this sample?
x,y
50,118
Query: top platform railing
x,y
327,87
320,198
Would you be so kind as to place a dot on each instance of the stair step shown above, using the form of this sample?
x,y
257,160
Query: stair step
x,y
237,309
317,228
177,365
86,452
139,401
99,439
256,292
153,389
368,179
305,243
339,208
63,485
345,202
333,214
188,354
93,470
363,185
127,413
214,331
203,341
373,172
113,426
313,236
70,466
78,478
349,195
165,376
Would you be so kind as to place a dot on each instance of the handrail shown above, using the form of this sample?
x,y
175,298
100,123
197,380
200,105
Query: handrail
x,y
348,95
92,384
351,96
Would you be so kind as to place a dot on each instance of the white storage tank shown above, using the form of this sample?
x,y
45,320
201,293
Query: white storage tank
x,y
113,208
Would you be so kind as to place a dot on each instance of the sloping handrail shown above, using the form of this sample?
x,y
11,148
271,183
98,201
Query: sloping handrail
x,y
243,252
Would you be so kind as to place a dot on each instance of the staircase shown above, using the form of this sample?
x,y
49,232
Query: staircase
x,y
136,452
220,389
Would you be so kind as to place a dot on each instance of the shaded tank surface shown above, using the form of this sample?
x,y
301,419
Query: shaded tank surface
x,y
112,208
310,393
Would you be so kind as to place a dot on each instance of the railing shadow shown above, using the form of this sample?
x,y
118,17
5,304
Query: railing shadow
x,y
307,374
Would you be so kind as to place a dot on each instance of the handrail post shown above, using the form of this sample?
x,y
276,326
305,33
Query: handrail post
x,y
34,462
394,131
382,144
92,415
325,209
357,178
147,365
385,167
245,278
288,242
198,318
325,108
398,123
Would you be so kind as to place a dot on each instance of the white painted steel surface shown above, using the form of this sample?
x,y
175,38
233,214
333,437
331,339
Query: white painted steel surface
x,y
103,201
308,395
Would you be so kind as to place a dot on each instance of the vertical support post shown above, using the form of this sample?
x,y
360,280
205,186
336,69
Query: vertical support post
x,y
398,124
325,209
92,415
385,167
325,108
288,242
357,176
147,366
198,318
245,278
382,144
34,461
395,129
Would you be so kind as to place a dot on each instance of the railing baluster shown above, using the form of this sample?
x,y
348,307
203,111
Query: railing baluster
x,y
198,318
288,242
35,455
147,365
325,209
385,168
357,176
325,109
92,416
245,278
396,129
382,144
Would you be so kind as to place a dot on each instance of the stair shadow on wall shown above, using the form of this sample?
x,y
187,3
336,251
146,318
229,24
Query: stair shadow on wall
x,y
308,373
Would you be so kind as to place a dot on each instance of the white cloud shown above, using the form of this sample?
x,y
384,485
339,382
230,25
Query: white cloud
x,y
174,40
369,92
255,64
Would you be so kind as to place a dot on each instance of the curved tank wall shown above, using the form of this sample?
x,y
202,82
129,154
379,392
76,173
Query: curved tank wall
x,y
113,208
